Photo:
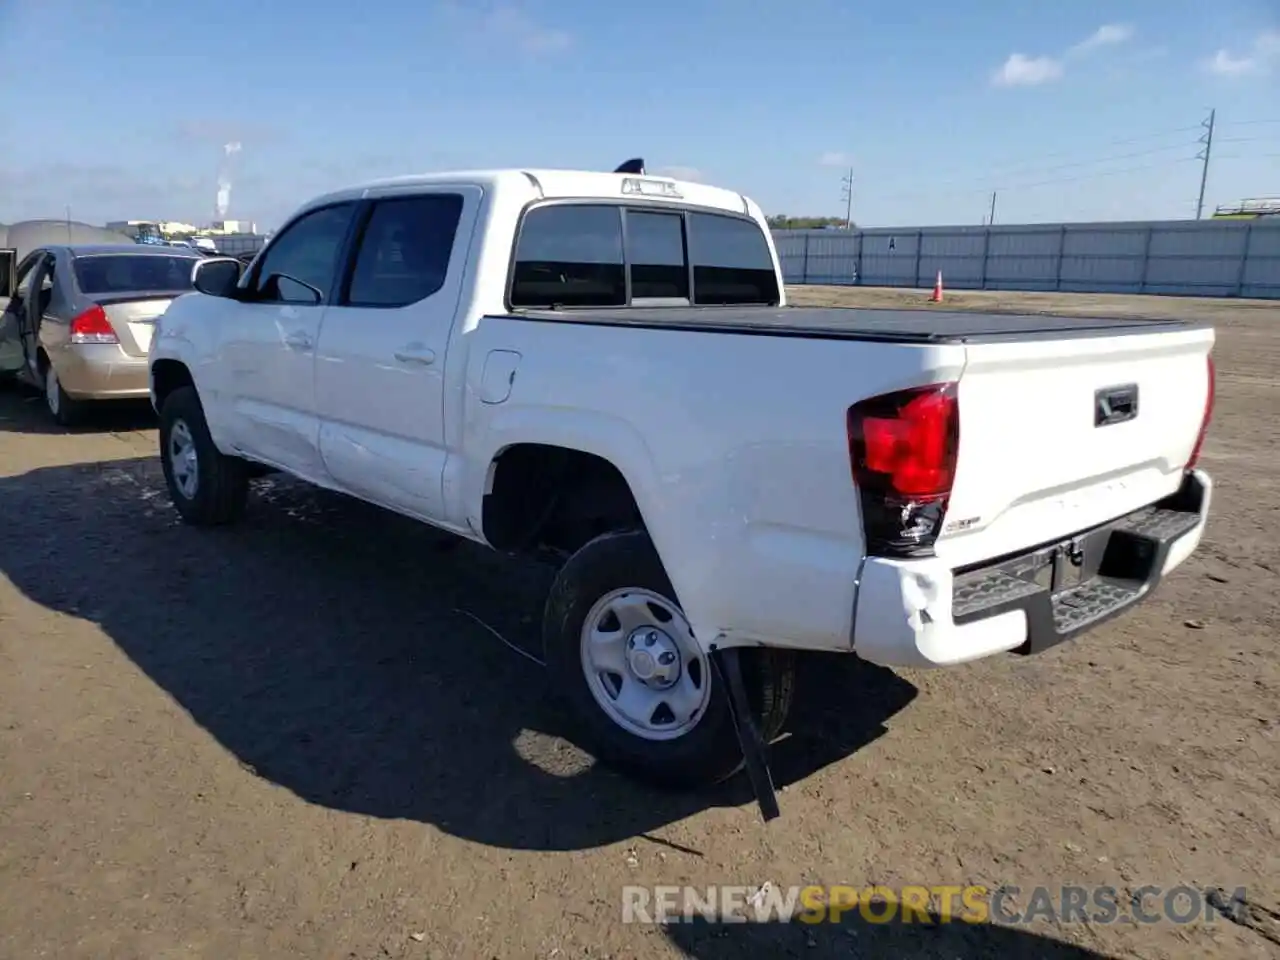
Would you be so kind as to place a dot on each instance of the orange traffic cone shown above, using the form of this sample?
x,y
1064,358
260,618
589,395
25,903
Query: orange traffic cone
x,y
936,297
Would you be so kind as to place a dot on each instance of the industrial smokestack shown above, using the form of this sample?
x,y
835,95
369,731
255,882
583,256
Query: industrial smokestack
x,y
223,201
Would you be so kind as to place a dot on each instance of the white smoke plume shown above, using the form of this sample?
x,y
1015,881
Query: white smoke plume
x,y
223,202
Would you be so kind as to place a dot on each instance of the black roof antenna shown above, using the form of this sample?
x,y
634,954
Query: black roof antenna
x,y
634,165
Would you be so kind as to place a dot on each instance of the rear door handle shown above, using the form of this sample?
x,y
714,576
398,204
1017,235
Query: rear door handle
x,y
416,354
298,341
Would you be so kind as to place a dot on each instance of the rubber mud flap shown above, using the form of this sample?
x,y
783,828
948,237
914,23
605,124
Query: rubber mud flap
x,y
753,749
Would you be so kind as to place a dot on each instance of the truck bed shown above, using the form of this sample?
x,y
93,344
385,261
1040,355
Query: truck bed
x,y
845,323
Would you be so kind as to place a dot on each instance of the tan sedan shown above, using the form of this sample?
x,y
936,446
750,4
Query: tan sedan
x,y
82,318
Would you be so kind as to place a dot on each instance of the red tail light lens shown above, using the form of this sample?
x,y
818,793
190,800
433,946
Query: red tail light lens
x,y
92,326
903,448
1208,415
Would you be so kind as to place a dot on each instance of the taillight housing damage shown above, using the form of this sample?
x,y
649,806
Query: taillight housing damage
x,y
1207,416
903,448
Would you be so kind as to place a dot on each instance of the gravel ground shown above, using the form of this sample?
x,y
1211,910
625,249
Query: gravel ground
x,y
294,739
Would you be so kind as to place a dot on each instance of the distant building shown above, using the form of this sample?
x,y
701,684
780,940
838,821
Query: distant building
x,y
177,228
232,226
1249,209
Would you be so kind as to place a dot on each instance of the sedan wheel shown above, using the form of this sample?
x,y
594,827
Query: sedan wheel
x,y
63,408
52,391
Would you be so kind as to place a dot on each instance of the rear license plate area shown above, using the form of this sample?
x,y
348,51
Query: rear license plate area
x,y
1065,565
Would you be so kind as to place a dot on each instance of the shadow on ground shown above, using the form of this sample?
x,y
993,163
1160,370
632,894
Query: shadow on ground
x,y
327,645
855,937
23,410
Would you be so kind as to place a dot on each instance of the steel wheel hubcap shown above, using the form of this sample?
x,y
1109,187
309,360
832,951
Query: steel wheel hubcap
x,y
182,459
643,666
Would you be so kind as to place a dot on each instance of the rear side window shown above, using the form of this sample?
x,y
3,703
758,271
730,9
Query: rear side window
x,y
731,262
404,254
571,256
574,255
130,273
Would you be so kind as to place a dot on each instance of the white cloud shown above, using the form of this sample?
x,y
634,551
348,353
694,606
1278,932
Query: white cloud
x,y
1227,64
680,173
1262,54
834,158
1023,71
532,37
1107,35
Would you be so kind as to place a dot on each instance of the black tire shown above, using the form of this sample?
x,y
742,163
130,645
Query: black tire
x,y
222,482
65,410
709,752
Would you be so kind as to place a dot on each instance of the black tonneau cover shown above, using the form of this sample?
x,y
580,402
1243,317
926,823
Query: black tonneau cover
x,y
845,323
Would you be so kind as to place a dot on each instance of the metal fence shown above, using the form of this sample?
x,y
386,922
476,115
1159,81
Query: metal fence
x,y
234,244
1223,258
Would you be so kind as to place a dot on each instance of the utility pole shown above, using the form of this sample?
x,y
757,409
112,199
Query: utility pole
x,y
847,196
1207,140
993,208
68,224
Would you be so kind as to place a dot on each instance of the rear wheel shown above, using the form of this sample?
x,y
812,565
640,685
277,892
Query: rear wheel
x,y
65,410
624,659
207,487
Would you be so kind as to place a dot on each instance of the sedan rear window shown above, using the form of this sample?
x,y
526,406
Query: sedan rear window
x,y
133,273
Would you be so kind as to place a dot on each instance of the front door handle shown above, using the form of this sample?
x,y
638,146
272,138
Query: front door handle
x,y
415,353
298,341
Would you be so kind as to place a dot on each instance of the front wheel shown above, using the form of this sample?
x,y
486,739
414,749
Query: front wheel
x,y
207,487
621,654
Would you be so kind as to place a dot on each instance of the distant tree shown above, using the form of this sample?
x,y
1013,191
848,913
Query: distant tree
x,y
780,221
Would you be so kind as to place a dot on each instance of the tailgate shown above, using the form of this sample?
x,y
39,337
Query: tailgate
x,y
1059,434
134,319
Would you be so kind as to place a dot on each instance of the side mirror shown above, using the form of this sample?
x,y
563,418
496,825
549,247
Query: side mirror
x,y
217,276
287,289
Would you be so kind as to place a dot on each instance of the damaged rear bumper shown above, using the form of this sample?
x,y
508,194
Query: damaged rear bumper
x,y
922,613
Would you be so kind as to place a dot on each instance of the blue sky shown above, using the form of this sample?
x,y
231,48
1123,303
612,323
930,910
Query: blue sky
x,y
1085,110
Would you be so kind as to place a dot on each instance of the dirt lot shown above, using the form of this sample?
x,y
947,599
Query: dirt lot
x,y
290,739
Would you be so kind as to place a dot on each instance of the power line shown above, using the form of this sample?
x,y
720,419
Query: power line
x,y
1121,156
1024,169
1243,139
1097,176
1126,141
984,188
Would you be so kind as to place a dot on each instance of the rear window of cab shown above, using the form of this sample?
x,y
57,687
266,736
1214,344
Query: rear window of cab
x,y
613,255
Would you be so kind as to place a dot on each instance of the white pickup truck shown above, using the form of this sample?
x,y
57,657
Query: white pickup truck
x,y
601,367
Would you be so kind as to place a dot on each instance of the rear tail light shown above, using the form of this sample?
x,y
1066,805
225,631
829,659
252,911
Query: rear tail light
x,y
92,326
903,448
1204,420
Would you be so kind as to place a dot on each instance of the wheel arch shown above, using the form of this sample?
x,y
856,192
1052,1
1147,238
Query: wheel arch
x,y
168,375
617,444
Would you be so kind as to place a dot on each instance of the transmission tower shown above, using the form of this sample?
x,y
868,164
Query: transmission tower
x,y
1206,139
846,194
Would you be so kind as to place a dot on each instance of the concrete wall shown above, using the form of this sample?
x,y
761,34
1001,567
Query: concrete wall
x,y
1211,258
